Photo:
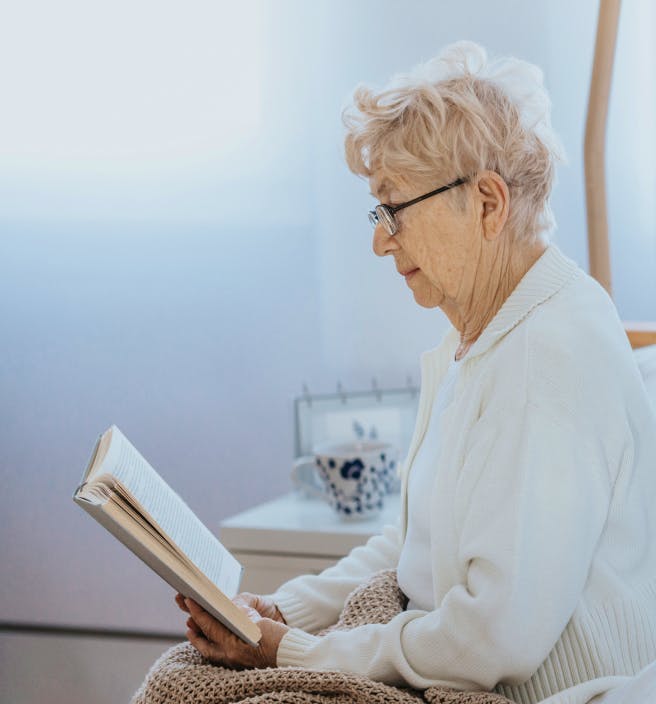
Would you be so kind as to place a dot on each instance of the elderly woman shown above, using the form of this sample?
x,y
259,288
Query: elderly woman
x,y
526,543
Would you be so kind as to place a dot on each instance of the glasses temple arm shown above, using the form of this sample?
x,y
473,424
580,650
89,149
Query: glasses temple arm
x,y
455,183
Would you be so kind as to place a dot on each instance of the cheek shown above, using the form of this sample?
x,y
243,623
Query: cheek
x,y
428,293
450,273
441,282
434,270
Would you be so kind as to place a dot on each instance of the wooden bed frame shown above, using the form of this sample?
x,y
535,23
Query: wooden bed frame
x,y
640,334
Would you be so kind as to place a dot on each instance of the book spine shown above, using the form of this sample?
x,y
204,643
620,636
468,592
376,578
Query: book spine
x,y
89,465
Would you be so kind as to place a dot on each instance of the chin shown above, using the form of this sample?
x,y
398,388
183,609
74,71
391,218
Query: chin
x,y
425,302
426,293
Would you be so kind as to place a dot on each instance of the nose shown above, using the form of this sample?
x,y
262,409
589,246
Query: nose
x,y
383,243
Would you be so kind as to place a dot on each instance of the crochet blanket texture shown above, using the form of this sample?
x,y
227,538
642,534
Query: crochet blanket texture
x,y
182,676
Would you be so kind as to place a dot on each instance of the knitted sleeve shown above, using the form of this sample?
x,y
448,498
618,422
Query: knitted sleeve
x,y
531,503
313,602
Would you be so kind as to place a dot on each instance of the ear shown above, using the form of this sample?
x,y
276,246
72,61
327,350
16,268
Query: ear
x,y
494,199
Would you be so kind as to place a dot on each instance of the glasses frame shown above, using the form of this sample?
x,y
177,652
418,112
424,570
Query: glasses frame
x,y
384,213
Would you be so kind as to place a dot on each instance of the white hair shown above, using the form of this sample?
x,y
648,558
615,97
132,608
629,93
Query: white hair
x,y
456,115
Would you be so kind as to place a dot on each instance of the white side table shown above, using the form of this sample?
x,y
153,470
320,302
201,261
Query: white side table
x,y
294,535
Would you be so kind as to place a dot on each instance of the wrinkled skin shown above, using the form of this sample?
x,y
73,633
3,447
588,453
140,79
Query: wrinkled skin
x,y
216,643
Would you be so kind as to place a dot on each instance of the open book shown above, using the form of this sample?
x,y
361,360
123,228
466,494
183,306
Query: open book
x,y
127,496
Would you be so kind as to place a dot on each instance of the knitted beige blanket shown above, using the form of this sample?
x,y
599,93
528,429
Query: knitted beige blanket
x,y
183,676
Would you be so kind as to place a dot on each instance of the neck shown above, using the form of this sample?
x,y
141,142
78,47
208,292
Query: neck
x,y
487,285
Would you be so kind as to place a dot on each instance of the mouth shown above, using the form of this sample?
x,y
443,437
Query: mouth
x,y
409,272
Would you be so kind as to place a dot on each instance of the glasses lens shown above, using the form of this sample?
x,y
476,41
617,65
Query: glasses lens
x,y
373,218
386,217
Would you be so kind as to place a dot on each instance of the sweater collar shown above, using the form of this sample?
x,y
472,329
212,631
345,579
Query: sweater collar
x,y
545,278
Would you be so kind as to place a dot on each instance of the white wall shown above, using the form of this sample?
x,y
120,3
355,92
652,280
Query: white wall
x,y
181,246
630,164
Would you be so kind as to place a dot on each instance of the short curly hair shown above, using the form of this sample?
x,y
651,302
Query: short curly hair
x,y
456,115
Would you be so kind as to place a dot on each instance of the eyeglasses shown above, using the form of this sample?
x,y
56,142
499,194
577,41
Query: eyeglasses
x,y
385,214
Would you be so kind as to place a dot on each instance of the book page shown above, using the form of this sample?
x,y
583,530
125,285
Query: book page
x,y
164,508
164,560
139,520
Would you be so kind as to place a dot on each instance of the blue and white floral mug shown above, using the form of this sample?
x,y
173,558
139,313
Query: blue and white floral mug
x,y
353,478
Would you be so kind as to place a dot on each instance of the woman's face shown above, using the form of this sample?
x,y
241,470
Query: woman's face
x,y
434,243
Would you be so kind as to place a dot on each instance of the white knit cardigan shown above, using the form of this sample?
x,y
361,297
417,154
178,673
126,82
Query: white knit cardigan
x,y
543,529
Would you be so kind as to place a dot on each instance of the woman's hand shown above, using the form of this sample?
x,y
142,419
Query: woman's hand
x,y
218,644
265,607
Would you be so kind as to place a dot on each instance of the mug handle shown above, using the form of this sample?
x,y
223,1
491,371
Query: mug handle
x,y
303,484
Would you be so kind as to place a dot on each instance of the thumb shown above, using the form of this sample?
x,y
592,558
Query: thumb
x,y
252,613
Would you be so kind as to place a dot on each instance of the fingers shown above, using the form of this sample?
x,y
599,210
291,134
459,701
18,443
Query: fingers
x,y
217,643
206,648
180,601
193,626
202,636
255,616
210,637
243,598
264,606
210,627
246,601
277,616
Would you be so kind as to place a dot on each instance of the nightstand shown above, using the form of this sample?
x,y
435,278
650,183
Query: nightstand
x,y
294,535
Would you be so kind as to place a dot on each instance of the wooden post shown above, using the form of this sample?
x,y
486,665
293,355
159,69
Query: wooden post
x,y
640,333
595,138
